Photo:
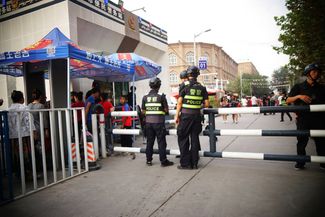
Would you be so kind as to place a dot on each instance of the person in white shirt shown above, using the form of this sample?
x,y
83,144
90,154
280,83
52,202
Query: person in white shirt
x,y
243,102
17,114
254,101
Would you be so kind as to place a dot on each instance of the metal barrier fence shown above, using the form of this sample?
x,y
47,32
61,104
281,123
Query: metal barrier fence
x,y
40,150
212,132
6,183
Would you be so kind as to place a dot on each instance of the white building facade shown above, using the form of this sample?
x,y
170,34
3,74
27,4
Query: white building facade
x,y
91,24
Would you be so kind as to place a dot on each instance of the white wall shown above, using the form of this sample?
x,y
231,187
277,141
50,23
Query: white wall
x,y
157,52
86,28
97,33
25,30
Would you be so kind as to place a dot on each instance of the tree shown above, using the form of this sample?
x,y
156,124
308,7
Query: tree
x,y
251,84
303,33
282,78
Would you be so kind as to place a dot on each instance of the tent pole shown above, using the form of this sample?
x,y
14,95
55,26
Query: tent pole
x,y
114,94
133,92
133,102
68,84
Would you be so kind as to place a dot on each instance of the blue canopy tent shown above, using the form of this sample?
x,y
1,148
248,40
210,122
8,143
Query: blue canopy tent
x,y
81,64
55,45
140,67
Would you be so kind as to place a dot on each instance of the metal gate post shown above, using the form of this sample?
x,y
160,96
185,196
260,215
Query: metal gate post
x,y
212,137
109,129
8,154
95,134
102,134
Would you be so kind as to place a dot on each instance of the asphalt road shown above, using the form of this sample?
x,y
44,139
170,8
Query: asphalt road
x,y
220,187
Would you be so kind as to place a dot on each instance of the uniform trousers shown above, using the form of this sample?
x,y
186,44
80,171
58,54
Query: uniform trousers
x,y
153,131
189,127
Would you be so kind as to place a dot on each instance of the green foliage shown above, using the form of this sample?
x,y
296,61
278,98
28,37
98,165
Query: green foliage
x,y
251,84
281,77
214,102
303,34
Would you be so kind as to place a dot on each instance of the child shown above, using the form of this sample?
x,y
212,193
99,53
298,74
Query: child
x,y
126,140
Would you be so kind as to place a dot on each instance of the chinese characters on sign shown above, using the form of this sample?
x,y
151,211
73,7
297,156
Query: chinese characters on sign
x,y
15,5
112,9
148,27
107,8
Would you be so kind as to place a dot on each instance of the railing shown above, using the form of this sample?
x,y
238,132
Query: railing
x,y
212,132
47,155
6,179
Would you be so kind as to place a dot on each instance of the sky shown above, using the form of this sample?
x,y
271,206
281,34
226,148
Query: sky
x,y
245,29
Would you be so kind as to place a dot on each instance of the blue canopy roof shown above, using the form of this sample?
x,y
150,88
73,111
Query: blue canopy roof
x,y
55,45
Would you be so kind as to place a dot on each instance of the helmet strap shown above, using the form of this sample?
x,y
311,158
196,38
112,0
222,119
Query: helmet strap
x,y
312,80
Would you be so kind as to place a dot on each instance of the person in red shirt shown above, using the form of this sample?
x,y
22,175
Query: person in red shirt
x,y
78,103
107,105
249,102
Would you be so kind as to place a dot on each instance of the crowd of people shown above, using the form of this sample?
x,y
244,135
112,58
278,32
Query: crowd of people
x,y
231,100
95,97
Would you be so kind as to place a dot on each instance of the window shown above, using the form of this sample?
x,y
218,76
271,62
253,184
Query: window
x,y
206,55
206,79
173,78
190,58
172,59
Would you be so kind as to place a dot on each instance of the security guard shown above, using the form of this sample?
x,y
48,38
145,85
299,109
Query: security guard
x,y
155,107
189,105
306,93
184,79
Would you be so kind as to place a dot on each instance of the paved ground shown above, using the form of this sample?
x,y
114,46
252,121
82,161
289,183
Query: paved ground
x,y
220,187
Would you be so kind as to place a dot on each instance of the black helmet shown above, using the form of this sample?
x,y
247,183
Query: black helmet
x,y
155,83
183,74
310,67
193,71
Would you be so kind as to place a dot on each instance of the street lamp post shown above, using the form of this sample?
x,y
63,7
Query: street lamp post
x,y
138,9
194,44
241,85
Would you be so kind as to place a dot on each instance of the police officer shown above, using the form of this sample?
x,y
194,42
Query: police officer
x,y
306,93
155,107
184,79
188,116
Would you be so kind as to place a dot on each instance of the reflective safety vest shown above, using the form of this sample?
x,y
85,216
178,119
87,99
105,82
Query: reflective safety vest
x,y
153,103
193,98
153,108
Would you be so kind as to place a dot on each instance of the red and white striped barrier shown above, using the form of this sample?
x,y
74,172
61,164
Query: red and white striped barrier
x,y
74,152
91,152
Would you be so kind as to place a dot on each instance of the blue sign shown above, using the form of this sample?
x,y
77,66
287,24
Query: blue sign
x,y
203,64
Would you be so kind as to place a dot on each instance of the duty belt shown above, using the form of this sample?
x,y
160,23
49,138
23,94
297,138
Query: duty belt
x,y
155,119
191,111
